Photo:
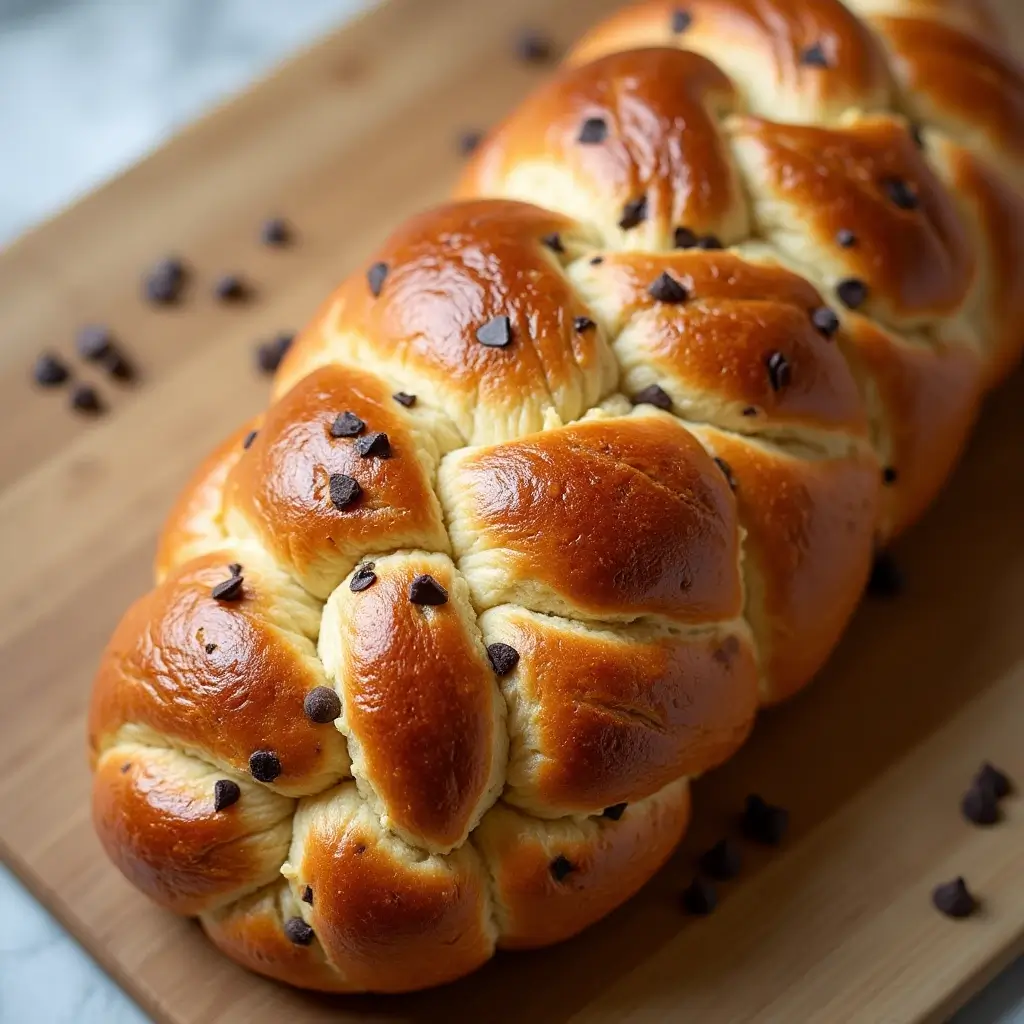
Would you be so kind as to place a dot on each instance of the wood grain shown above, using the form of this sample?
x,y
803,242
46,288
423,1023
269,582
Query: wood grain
x,y
346,140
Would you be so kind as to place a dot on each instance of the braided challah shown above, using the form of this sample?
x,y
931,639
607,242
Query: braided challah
x,y
573,476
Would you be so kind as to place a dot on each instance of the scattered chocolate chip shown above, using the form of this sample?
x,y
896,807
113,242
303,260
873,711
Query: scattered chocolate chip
x,y
916,133
889,475
561,867
665,288
583,323
470,140
374,445
700,897
763,822
165,281
614,812
126,767
846,238
779,374
993,779
496,333
633,213
726,472
275,231
360,848
900,193
404,398
307,895
533,48
347,424
375,277
210,648
49,371
117,365
886,579
270,353
653,395
749,411
322,705
225,793
298,931
980,806
953,899
425,589
593,131
825,321
344,490
681,21
852,292
723,861
249,438
709,242
814,57
363,578
596,260
503,658
264,765
229,589
554,242
684,238
93,342
85,398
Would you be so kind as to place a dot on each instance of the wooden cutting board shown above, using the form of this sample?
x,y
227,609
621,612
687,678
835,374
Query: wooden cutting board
x,y
346,140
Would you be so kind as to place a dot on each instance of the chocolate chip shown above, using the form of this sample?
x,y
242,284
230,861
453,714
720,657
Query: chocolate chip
x,y
633,213
404,398
889,475
225,793
666,288
583,323
496,333
763,822
229,589
502,657
264,765
85,398
165,281
270,353
814,57
117,365
249,438
653,395
49,371
700,897
375,277
886,579
980,806
363,578
596,260
470,140
726,472
852,292
347,424
779,374
561,867
993,779
275,231
533,48
425,589
825,321
230,288
684,238
846,238
681,21
614,812
344,490
723,861
554,242
953,899
298,931
593,131
916,133
307,895
900,193
374,445
322,705
749,411
709,242
93,342
126,767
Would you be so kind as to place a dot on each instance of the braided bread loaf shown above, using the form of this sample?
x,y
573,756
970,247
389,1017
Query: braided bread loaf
x,y
570,479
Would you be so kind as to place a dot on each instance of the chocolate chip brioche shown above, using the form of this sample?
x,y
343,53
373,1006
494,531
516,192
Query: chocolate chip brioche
x,y
571,478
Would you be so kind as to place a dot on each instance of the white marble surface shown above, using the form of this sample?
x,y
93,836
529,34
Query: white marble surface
x,y
86,88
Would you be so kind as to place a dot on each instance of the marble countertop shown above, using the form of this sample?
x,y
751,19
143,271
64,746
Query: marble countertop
x,y
86,88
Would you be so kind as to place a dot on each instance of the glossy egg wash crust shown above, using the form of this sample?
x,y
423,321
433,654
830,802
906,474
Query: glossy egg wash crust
x,y
571,478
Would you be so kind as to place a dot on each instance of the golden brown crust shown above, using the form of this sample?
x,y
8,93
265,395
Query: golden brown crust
x,y
658,110
609,518
600,717
541,899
